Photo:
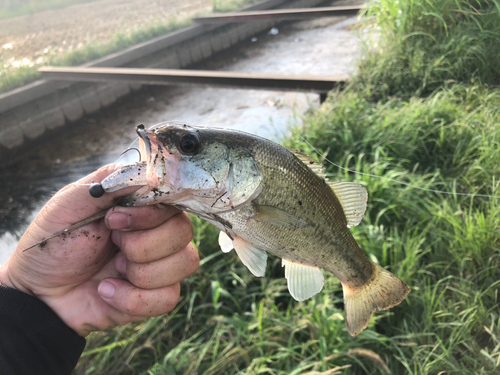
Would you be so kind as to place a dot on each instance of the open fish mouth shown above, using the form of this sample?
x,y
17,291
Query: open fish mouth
x,y
150,171
144,143
152,153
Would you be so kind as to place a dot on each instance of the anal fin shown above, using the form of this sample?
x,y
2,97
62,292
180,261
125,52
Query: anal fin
x,y
303,281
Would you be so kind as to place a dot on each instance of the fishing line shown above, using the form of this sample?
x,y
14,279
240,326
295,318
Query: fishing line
x,y
128,149
391,179
329,161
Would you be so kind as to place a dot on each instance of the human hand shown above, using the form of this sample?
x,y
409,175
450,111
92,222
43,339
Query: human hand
x,y
110,272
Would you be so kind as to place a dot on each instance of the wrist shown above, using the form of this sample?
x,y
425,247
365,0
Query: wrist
x,y
7,280
74,318
72,322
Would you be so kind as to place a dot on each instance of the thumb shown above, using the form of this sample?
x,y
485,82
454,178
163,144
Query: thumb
x,y
71,205
77,196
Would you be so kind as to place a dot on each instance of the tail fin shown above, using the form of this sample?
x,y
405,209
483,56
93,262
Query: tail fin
x,y
382,292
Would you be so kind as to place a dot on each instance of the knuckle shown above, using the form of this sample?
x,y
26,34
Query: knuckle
x,y
135,254
192,260
144,217
134,303
139,275
173,298
133,248
184,228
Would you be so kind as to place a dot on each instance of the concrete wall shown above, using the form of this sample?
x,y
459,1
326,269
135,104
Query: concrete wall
x,y
27,112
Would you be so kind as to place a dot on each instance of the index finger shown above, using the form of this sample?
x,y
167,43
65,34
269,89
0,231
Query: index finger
x,y
138,218
149,245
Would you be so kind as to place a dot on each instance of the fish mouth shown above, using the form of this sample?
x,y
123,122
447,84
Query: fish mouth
x,y
157,172
151,152
162,162
144,143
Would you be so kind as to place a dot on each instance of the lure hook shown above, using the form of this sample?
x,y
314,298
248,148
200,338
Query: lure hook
x,y
130,149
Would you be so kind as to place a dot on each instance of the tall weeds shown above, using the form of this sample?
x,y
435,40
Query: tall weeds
x,y
425,45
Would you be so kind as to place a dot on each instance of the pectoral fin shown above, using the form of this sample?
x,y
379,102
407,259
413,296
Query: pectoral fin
x,y
276,216
303,281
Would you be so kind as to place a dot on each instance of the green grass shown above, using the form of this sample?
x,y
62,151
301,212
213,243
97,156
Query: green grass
x,y
15,8
230,5
407,136
426,45
119,41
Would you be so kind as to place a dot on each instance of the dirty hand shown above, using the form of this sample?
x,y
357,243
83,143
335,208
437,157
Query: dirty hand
x,y
111,272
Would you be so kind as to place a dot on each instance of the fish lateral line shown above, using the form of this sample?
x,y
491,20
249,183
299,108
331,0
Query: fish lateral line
x,y
70,229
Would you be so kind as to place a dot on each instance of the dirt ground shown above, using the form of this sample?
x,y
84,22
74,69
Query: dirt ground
x,y
31,39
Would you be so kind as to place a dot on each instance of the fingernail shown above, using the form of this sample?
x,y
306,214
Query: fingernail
x,y
106,289
118,220
121,264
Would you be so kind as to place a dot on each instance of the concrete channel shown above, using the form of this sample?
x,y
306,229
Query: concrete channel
x,y
28,112
65,154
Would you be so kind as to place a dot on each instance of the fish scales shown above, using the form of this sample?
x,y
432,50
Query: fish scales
x,y
326,241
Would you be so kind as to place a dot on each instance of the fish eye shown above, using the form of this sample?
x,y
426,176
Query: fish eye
x,y
189,144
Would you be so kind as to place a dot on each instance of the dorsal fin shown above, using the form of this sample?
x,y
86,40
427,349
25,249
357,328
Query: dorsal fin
x,y
310,162
353,199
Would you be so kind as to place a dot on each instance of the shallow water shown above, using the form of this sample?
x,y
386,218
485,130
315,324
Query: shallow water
x,y
320,47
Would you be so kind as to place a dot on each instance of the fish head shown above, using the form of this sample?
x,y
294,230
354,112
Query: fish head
x,y
198,169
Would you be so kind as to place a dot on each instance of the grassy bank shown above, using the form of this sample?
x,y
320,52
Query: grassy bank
x,y
428,45
16,8
411,130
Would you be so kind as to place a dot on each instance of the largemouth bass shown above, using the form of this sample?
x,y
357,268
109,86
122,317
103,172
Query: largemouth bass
x,y
264,198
